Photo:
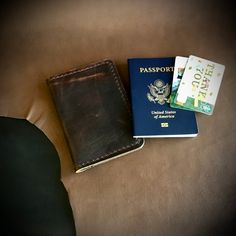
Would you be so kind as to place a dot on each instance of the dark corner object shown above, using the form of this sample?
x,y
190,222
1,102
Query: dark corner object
x,y
33,200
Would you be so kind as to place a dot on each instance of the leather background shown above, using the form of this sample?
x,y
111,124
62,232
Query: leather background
x,y
170,187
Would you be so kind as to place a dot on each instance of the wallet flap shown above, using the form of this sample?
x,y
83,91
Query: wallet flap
x,y
95,113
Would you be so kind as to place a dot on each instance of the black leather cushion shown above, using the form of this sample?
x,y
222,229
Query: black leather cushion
x,y
33,200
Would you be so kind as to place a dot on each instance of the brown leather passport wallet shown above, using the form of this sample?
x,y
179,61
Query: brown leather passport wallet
x,y
95,114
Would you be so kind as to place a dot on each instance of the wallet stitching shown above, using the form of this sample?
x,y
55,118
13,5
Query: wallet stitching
x,y
63,76
121,90
105,155
115,75
136,141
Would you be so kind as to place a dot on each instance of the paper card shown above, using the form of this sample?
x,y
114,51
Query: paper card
x,y
200,85
180,64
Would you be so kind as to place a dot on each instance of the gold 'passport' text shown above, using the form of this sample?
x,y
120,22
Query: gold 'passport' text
x,y
156,69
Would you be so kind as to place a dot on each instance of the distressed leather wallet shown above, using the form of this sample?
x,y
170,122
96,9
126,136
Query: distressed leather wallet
x,y
95,113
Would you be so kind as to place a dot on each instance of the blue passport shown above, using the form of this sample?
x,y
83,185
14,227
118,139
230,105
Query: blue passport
x,y
150,84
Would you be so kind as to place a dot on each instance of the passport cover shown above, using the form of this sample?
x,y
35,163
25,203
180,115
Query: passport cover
x,y
95,114
150,83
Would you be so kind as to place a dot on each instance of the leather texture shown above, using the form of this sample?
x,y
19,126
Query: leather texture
x,y
170,187
95,114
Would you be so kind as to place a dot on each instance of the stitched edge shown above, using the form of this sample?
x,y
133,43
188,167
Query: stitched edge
x,y
119,85
74,71
118,82
106,155
116,76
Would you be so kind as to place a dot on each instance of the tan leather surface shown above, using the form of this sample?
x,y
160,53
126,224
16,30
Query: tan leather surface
x,y
172,186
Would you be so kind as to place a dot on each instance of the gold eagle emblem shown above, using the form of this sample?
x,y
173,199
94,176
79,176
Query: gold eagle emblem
x,y
158,92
